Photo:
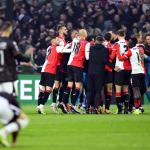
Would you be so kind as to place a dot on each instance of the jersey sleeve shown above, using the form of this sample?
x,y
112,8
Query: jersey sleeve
x,y
124,56
14,48
60,47
68,48
87,50
114,50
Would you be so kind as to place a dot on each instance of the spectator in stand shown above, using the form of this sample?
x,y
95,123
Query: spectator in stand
x,y
36,22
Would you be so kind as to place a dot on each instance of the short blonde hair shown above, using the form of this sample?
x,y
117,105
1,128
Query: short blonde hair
x,y
83,33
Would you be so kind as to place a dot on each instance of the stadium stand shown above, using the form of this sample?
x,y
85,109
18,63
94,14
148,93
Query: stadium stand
x,y
35,22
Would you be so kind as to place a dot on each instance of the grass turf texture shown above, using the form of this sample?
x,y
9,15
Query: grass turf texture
x,y
85,132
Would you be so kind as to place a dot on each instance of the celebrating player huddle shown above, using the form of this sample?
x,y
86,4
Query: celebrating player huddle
x,y
113,67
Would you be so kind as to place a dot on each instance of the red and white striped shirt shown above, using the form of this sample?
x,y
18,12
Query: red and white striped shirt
x,y
137,60
122,55
52,59
79,52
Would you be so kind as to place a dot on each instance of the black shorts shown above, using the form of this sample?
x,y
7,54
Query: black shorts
x,y
58,74
47,79
122,77
138,80
75,74
108,77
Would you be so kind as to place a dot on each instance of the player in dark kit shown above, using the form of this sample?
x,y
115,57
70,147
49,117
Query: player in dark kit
x,y
12,118
10,113
9,53
98,58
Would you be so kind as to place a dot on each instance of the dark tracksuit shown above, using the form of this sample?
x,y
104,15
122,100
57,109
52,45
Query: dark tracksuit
x,y
98,58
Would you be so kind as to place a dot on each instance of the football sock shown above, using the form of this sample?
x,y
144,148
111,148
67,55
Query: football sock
x,y
75,96
55,94
81,97
108,100
126,100
41,97
10,128
61,91
46,96
66,95
137,103
119,102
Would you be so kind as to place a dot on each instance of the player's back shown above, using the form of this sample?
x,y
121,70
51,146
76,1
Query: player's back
x,y
137,60
51,62
122,48
7,60
78,53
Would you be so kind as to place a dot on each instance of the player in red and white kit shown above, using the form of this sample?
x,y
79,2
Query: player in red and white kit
x,y
61,73
79,51
48,73
137,74
122,72
109,73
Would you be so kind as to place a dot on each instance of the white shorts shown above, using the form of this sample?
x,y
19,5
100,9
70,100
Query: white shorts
x,y
6,114
8,87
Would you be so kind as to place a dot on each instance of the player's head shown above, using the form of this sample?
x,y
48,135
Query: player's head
x,y
120,34
74,34
62,30
140,37
147,38
83,33
113,34
99,40
132,42
6,29
107,36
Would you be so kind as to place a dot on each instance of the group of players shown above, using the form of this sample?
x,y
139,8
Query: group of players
x,y
113,63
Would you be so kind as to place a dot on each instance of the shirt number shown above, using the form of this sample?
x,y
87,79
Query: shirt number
x,y
76,48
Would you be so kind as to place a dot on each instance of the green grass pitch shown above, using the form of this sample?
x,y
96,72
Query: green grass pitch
x,y
85,132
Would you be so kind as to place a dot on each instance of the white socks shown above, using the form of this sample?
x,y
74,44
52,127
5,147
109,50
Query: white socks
x,y
13,127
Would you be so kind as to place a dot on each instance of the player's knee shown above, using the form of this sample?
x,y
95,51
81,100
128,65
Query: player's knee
x,y
48,89
56,84
70,84
23,122
78,85
109,89
118,88
42,89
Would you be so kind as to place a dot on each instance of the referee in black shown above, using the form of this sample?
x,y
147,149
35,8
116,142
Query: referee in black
x,y
98,58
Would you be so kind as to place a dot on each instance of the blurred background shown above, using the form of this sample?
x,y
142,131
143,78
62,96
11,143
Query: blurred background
x,y
36,21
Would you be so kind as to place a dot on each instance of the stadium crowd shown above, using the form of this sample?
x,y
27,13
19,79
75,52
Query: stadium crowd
x,y
36,23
